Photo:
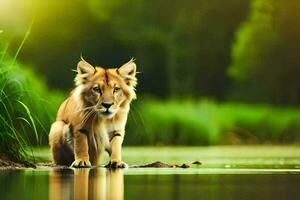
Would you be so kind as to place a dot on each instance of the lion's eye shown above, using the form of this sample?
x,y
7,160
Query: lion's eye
x,y
117,89
97,89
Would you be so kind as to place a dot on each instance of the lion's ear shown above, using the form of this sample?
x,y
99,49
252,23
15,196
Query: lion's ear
x,y
84,68
128,70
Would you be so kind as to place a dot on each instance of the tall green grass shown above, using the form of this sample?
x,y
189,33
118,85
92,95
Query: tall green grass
x,y
203,122
27,106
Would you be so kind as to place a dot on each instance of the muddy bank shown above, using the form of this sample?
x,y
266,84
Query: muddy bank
x,y
159,164
6,163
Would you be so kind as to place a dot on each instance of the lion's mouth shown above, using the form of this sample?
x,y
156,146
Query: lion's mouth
x,y
107,112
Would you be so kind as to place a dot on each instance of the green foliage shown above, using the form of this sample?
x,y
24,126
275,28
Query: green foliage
x,y
27,107
265,64
206,122
254,41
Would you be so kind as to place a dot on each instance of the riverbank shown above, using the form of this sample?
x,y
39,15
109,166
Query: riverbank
x,y
221,157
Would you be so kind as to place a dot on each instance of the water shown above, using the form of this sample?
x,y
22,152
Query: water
x,y
226,173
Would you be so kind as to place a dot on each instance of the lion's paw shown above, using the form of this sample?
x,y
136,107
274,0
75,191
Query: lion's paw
x,y
81,163
116,164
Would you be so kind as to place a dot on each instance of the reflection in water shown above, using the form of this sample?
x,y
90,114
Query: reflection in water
x,y
86,184
102,184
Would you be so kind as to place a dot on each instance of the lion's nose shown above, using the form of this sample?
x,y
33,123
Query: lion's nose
x,y
107,105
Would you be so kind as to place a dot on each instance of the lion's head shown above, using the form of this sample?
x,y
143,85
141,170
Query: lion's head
x,y
105,91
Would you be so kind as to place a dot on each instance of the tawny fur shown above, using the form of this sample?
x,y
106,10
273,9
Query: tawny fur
x,y
84,127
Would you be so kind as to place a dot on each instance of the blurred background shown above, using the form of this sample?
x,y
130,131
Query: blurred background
x,y
212,72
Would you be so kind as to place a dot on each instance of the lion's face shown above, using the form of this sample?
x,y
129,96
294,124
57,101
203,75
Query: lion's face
x,y
105,91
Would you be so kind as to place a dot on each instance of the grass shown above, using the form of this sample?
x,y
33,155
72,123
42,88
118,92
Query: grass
x,y
203,122
26,107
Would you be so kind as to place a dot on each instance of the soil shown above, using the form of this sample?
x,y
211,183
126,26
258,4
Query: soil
x,y
6,163
159,164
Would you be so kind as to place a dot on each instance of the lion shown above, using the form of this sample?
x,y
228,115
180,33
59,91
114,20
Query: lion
x,y
92,119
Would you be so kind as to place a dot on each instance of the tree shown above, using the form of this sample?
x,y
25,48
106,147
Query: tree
x,y
265,65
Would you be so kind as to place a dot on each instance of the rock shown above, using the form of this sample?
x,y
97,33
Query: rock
x,y
159,164
184,165
197,162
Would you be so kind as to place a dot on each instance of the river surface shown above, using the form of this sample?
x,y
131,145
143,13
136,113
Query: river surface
x,y
244,172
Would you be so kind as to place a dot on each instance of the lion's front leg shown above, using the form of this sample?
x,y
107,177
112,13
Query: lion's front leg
x,y
116,147
81,150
